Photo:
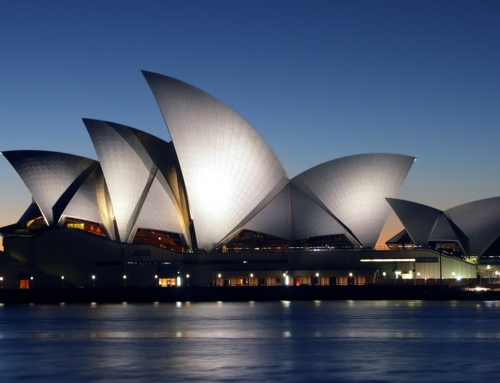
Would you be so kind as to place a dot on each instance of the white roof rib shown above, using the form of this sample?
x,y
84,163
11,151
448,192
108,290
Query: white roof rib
x,y
227,166
353,190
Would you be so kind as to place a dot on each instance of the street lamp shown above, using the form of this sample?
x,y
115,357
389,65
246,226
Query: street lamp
x,y
250,279
350,280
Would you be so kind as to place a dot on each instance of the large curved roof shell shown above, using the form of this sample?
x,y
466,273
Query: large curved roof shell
x,y
353,190
227,166
446,231
84,204
274,219
418,219
309,219
479,221
52,178
139,192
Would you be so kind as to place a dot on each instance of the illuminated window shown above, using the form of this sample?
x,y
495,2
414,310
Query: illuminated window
x,y
24,284
167,282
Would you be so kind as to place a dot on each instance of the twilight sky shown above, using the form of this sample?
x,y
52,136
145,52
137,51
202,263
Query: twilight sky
x,y
318,80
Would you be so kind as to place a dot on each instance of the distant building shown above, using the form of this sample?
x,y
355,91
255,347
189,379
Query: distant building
x,y
217,194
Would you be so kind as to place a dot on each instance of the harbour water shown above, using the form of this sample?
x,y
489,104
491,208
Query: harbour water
x,y
297,341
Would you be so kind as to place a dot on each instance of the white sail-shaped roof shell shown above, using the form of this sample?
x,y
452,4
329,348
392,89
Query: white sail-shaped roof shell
x,y
84,204
479,221
353,190
309,219
418,219
274,219
227,166
48,175
159,211
136,187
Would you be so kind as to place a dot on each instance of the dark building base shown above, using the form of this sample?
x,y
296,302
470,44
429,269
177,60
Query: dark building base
x,y
265,293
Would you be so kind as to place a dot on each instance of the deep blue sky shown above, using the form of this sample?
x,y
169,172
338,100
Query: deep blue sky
x,y
318,80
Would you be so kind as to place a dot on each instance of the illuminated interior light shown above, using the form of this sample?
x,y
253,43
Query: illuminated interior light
x,y
388,260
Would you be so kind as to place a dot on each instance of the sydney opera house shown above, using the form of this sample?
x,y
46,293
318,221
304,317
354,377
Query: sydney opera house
x,y
215,207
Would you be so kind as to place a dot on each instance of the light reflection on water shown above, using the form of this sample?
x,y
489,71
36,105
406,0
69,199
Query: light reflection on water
x,y
381,341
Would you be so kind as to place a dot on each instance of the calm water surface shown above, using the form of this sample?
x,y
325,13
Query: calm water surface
x,y
349,341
